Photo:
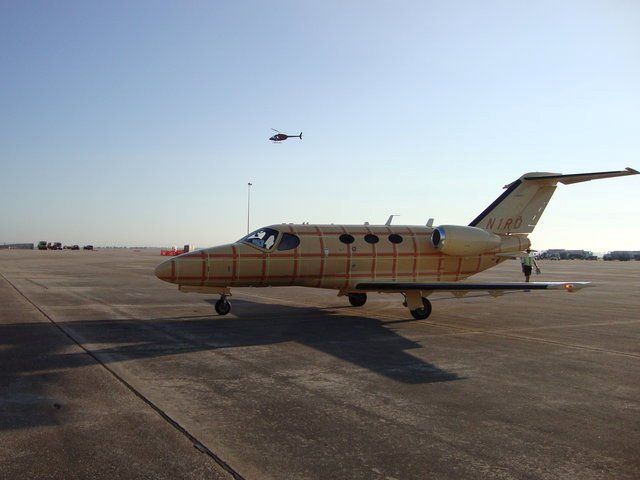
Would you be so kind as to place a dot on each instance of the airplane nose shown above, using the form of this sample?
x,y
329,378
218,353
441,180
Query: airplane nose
x,y
166,271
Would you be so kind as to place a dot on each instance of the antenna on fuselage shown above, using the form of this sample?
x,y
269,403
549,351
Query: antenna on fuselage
x,y
389,220
430,222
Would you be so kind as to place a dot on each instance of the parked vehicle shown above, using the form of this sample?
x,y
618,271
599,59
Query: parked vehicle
x,y
42,245
622,255
88,247
562,254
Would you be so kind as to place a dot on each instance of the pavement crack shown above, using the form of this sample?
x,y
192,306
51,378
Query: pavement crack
x,y
196,443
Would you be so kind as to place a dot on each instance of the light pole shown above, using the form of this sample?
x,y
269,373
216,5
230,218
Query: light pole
x,y
248,204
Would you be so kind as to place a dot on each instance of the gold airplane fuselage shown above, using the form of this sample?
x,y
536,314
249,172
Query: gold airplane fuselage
x,y
324,258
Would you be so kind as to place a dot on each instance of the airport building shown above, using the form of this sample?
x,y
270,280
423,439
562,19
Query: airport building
x,y
16,246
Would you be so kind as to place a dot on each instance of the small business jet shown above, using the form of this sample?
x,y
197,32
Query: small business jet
x,y
414,261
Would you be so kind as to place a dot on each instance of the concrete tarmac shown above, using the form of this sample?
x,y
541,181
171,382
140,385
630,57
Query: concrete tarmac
x,y
107,372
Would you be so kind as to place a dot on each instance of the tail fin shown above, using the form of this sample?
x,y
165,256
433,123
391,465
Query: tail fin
x,y
520,206
300,135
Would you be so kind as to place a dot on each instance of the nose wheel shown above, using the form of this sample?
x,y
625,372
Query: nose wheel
x,y
223,306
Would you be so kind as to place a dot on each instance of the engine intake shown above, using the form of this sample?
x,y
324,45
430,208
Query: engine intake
x,y
458,240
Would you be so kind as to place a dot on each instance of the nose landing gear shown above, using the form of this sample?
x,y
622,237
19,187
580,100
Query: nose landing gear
x,y
223,306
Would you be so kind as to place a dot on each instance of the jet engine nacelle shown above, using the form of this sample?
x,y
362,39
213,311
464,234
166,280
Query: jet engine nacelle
x,y
458,240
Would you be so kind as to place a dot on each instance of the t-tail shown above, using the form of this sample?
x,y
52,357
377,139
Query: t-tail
x,y
520,206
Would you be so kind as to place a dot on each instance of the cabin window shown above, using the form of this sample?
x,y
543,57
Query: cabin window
x,y
395,238
288,242
346,238
263,238
371,238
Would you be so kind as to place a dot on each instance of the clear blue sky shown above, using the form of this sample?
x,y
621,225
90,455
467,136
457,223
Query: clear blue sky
x,y
140,123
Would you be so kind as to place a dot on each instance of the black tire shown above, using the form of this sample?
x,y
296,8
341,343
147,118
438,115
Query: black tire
x,y
424,312
357,299
223,306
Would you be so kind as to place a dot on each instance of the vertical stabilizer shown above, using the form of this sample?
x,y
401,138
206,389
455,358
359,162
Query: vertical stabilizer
x,y
520,206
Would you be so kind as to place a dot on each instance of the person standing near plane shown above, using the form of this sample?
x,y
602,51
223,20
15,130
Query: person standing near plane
x,y
527,263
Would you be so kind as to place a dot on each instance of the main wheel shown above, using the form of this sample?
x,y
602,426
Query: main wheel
x,y
424,312
223,306
357,299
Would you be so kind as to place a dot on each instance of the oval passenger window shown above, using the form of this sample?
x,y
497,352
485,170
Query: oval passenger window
x,y
346,238
370,238
395,238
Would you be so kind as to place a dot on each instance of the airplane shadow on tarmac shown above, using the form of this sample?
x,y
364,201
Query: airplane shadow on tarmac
x,y
34,355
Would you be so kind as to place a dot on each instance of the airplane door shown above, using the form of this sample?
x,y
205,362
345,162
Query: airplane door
x,y
222,266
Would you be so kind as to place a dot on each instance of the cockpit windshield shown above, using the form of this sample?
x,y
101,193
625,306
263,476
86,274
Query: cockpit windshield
x,y
263,238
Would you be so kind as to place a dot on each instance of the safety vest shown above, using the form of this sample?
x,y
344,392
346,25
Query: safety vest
x,y
527,261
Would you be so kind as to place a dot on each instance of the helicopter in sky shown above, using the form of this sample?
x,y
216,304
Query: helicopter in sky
x,y
279,137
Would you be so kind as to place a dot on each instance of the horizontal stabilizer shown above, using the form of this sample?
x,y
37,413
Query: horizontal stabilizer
x,y
466,287
582,177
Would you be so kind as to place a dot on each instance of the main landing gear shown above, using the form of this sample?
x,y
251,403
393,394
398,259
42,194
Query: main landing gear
x,y
223,306
419,306
357,299
424,312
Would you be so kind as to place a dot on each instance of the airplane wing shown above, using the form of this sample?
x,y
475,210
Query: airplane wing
x,y
461,288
